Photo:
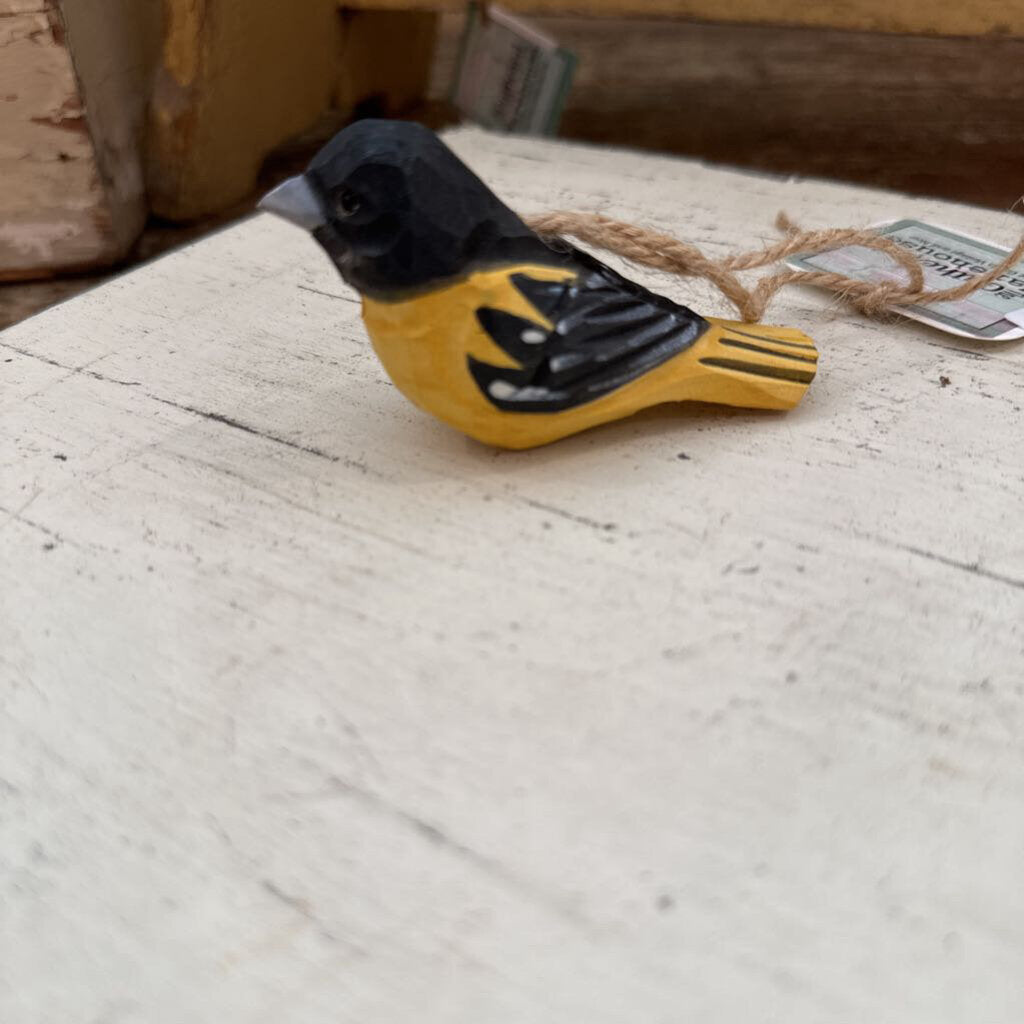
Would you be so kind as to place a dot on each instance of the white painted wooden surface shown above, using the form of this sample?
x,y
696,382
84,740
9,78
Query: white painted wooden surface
x,y
316,711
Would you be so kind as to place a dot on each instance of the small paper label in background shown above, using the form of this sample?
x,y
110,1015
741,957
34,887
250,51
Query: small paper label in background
x,y
993,313
511,76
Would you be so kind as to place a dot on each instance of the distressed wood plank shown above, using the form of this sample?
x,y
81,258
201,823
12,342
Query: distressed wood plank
x,y
933,116
73,87
342,717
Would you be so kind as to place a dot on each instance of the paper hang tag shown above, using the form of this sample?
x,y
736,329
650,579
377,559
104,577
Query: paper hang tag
x,y
993,313
511,76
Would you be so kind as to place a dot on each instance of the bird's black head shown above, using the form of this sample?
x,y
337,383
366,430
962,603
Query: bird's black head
x,y
397,211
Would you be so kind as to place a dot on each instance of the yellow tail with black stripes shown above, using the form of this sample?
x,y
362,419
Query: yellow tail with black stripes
x,y
751,365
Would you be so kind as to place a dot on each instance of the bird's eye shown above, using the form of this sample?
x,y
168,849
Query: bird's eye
x,y
346,203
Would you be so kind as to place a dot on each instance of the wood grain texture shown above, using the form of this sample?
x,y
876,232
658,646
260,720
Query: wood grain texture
x,y
928,115
939,17
921,114
314,709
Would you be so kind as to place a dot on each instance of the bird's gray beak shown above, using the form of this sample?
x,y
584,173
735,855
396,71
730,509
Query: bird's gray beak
x,y
296,201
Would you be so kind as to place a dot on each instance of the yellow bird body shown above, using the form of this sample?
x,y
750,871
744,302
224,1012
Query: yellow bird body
x,y
515,339
426,341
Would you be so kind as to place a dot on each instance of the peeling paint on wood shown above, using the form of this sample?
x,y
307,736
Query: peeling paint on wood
x,y
72,100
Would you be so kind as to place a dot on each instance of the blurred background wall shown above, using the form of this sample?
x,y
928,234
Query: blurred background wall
x,y
128,126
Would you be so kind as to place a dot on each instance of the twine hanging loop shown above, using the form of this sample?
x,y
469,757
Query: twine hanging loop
x,y
663,252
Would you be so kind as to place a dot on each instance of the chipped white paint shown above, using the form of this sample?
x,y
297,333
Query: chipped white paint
x,y
74,81
316,711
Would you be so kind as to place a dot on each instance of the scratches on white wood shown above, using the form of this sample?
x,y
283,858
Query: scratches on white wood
x,y
316,710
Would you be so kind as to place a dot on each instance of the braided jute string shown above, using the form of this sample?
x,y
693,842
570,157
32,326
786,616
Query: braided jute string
x,y
663,252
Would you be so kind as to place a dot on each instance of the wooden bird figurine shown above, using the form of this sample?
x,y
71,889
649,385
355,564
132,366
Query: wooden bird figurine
x,y
514,339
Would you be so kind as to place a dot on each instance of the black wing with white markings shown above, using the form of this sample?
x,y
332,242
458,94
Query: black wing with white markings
x,y
607,332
